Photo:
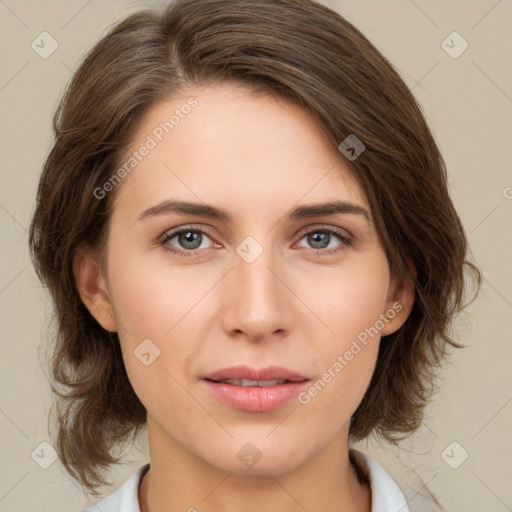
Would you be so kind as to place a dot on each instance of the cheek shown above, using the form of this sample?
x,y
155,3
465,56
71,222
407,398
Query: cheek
x,y
159,310
350,304
348,299
152,307
345,366
151,298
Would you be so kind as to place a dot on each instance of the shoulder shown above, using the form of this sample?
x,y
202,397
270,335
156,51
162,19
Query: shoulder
x,y
125,499
412,496
386,495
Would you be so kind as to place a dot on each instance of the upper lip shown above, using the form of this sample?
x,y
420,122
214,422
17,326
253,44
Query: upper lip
x,y
246,372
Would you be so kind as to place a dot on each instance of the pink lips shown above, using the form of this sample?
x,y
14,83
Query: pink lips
x,y
246,372
255,398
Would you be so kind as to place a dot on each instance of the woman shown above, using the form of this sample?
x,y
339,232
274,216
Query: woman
x,y
245,226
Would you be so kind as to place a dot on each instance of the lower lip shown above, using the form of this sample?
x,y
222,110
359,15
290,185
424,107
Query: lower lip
x,y
255,399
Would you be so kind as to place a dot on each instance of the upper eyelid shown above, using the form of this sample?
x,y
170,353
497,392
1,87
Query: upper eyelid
x,y
171,233
321,227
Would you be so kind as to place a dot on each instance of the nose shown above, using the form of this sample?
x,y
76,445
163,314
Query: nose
x,y
258,302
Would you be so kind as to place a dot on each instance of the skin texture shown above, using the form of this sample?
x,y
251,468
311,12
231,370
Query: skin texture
x,y
258,158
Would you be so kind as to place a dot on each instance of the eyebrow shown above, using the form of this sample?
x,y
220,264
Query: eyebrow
x,y
204,210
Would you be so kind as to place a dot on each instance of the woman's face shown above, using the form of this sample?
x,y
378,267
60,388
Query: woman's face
x,y
268,284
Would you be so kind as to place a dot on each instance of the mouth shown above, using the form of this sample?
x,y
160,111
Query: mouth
x,y
249,383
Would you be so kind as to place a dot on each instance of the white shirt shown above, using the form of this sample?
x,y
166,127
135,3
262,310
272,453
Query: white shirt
x,y
386,495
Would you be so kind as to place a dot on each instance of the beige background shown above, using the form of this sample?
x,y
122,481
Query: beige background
x,y
468,103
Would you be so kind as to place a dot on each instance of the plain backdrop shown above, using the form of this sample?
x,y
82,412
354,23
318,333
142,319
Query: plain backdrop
x,y
468,103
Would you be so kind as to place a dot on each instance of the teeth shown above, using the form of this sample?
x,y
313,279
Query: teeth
x,y
252,383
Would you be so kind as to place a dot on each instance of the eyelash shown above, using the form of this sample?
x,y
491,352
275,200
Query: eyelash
x,y
346,241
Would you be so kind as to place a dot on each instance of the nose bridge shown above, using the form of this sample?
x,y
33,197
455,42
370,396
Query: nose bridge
x,y
257,303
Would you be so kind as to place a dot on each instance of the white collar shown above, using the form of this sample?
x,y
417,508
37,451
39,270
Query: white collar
x,y
386,495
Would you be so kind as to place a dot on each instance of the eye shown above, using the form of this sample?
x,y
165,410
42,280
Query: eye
x,y
188,240
320,240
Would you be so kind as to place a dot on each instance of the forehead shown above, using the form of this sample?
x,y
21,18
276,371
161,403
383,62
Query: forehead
x,y
224,146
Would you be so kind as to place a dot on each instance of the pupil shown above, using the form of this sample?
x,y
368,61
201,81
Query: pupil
x,y
319,238
190,237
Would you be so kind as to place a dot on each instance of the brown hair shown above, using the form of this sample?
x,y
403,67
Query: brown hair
x,y
294,49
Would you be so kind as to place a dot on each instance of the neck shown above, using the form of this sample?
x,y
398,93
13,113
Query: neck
x,y
177,481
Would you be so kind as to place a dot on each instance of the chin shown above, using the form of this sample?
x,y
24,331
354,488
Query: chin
x,y
260,457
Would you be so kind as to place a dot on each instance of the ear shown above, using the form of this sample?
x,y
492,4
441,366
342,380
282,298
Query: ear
x,y
399,303
93,289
